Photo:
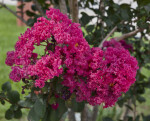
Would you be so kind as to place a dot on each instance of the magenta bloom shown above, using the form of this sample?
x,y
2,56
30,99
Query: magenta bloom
x,y
10,58
62,38
125,45
16,74
55,51
118,44
114,75
55,106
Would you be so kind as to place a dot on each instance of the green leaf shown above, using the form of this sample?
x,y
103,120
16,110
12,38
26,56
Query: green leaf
x,y
53,115
147,8
47,114
29,13
96,11
56,1
30,22
9,114
109,22
32,116
130,118
18,114
52,100
107,119
120,101
145,118
13,96
14,107
38,111
56,115
6,86
26,103
85,19
124,14
2,95
61,108
33,7
90,28
21,6
27,0
77,106
143,2
141,99
137,118
40,107
2,102
41,1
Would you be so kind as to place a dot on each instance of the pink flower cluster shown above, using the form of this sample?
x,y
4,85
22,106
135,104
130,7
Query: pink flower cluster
x,y
111,72
114,75
121,43
94,75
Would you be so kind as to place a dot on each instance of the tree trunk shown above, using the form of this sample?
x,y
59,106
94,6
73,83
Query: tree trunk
x,y
71,115
84,114
127,110
75,11
95,112
63,7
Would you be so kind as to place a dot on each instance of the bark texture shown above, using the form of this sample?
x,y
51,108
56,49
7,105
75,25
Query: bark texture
x,y
71,115
63,7
75,11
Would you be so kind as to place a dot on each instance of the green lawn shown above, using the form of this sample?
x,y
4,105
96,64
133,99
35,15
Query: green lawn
x,y
8,36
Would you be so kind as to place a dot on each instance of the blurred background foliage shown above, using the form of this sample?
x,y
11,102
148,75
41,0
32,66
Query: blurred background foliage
x,y
107,16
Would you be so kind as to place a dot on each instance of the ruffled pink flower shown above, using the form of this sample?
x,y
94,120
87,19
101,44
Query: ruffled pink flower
x,y
64,45
16,74
118,44
39,83
113,76
55,106
125,45
10,58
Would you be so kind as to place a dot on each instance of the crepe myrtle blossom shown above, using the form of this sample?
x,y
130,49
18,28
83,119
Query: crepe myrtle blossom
x,y
111,73
10,58
55,106
91,74
121,43
113,76
16,73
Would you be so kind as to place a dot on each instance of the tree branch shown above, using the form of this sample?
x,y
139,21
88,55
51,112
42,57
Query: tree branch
x,y
108,35
84,114
125,117
63,7
70,7
102,9
124,36
14,13
12,103
38,6
100,23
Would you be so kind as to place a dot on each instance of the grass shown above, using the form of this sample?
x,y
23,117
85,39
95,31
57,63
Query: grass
x,y
9,33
